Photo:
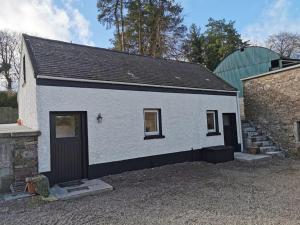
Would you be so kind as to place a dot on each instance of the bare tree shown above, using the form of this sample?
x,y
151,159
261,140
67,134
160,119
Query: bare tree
x,y
285,43
9,58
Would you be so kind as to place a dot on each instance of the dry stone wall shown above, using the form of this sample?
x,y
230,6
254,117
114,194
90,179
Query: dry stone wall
x,y
273,103
18,157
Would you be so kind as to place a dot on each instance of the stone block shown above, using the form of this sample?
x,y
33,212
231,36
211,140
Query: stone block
x,y
5,183
18,157
4,171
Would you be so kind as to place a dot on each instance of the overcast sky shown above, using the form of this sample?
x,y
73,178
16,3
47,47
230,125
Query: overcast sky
x,y
75,20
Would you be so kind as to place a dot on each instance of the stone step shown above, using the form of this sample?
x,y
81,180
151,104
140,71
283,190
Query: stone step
x,y
246,125
245,157
266,149
245,121
249,129
251,134
262,143
84,188
279,154
258,138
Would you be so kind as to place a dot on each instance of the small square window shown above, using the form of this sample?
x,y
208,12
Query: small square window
x,y
151,118
211,121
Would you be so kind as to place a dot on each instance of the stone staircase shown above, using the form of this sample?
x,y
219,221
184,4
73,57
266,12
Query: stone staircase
x,y
254,137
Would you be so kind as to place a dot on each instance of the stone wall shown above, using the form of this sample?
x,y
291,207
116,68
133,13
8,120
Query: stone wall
x,y
273,103
18,157
242,108
8,115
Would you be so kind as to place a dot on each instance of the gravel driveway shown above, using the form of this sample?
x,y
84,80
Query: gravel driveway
x,y
187,193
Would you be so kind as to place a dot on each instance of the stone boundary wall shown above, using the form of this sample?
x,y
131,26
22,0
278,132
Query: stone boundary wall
x,y
8,115
273,103
18,157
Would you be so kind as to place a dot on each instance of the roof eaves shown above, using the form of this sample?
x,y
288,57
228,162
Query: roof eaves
x,y
132,84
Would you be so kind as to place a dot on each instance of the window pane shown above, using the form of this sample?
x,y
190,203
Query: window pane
x,y
210,121
66,126
151,122
226,121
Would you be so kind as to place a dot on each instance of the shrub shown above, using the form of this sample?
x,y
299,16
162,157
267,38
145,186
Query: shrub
x,y
8,99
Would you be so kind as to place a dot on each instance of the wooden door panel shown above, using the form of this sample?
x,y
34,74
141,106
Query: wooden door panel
x,y
230,130
67,146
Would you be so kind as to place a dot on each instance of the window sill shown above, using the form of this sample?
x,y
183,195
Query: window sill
x,y
154,137
213,134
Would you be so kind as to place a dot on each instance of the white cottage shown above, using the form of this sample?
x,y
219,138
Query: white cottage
x,y
102,111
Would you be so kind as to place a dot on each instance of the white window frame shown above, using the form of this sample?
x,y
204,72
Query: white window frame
x,y
157,122
214,116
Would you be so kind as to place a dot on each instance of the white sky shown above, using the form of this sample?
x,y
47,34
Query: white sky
x,y
44,18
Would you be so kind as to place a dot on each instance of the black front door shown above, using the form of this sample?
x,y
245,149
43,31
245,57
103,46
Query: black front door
x,y
68,146
230,130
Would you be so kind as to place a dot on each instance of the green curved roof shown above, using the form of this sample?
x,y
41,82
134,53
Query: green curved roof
x,y
245,63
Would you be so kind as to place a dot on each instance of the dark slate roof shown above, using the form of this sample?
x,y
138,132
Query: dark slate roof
x,y
67,60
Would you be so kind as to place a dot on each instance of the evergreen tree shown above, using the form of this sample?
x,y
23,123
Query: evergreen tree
x,y
221,39
209,48
193,46
149,27
111,13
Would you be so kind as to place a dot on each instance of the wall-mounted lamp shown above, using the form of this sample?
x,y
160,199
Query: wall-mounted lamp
x,y
99,118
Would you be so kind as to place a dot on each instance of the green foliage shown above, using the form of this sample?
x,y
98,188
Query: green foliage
x,y
155,28
8,99
193,47
146,27
209,48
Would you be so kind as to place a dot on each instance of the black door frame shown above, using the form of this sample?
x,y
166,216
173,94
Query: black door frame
x,y
236,147
84,138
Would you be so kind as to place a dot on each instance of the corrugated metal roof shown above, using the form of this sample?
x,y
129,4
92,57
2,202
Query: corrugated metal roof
x,y
245,63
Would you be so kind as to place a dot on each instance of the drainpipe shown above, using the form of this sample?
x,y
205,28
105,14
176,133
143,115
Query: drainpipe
x,y
239,121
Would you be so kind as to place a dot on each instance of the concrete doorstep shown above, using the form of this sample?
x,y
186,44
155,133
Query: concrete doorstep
x,y
245,157
65,191
11,197
80,188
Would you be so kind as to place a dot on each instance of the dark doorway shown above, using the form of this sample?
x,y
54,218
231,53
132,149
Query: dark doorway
x,y
230,131
69,155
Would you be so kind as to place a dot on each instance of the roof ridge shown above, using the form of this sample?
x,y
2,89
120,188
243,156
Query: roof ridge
x,y
112,50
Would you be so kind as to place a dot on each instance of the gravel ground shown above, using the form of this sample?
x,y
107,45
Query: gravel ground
x,y
187,193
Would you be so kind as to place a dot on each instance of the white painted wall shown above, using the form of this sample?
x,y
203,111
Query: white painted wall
x,y
120,136
27,93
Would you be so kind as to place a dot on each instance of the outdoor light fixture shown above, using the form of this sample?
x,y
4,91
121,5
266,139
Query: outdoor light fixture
x,y
99,118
